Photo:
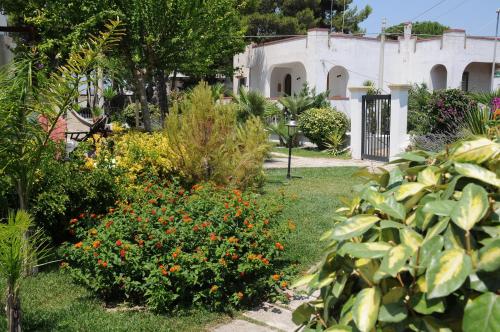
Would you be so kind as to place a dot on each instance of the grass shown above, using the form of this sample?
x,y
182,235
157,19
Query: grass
x,y
313,199
52,302
309,152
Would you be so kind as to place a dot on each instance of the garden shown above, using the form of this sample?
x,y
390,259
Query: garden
x,y
165,218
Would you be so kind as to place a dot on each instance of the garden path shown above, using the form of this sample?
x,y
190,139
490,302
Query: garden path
x,y
279,160
267,317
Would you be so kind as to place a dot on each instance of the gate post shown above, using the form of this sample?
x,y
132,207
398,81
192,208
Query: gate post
x,y
399,119
355,112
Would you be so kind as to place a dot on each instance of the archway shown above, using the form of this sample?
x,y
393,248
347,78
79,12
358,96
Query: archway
x,y
338,78
476,77
287,79
439,77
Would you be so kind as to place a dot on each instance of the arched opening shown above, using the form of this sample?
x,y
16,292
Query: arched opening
x,y
439,77
287,79
477,77
288,85
337,80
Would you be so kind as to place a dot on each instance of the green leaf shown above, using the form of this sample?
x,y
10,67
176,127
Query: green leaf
x,y
366,307
429,176
429,248
365,250
437,228
422,305
302,314
410,238
476,151
482,314
392,208
393,308
471,207
395,260
478,172
453,237
440,207
353,226
489,256
408,189
304,280
390,224
339,328
447,272
409,156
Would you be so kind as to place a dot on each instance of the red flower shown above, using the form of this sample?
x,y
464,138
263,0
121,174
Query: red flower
x,y
159,245
226,205
73,221
96,244
163,209
109,223
139,219
81,216
93,216
122,253
213,237
118,243
79,244
279,246
153,212
171,218
195,228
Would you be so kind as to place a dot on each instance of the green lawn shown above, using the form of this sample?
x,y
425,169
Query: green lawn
x,y
314,198
308,152
51,302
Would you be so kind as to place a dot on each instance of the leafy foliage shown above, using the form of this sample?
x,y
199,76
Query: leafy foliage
x,y
417,249
425,29
170,247
251,103
318,124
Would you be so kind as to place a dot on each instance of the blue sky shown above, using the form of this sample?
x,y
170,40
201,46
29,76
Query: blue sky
x,y
477,17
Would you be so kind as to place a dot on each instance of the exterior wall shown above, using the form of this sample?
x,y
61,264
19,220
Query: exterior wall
x,y
407,61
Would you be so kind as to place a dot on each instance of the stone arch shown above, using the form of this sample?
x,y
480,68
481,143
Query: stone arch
x,y
476,77
287,76
337,81
439,77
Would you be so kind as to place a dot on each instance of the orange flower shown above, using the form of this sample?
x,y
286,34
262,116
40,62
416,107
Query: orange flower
x,y
109,223
195,228
266,222
78,245
276,277
118,243
153,212
186,218
158,245
139,219
226,205
96,244
93,231
214,288
73,221
164,272
153,201
163,209
246,203
175,254
250,226
240,295
171,218
141,243
226,216
238,213
279,246
213,237
237,193
234,257
175,268
122,253
284,284
265,261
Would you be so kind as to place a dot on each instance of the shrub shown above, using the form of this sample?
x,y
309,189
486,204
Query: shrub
x,y
318,124
210,143
68,188
417,249
419,119
447,109
171,247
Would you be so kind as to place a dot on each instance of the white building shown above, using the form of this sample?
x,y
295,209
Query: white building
x,y
335,62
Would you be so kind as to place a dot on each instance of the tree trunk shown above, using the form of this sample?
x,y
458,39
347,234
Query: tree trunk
x,y
162,95
13,310
141,88
174,79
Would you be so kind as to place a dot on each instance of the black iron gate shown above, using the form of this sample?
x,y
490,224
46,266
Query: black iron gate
x,y
376,120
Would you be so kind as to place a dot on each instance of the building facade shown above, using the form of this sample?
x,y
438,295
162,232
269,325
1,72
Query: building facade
x,y
334,62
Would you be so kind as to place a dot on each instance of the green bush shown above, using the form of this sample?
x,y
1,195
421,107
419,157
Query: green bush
x,y
170,247
318,124
417,250
419,119
69,188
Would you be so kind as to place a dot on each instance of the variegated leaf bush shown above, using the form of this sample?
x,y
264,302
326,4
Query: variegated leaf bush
x,y
417,249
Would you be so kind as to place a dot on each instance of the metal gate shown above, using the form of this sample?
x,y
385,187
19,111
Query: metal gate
x,y
376,120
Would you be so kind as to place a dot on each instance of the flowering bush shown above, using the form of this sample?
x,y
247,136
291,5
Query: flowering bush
x,y
172,247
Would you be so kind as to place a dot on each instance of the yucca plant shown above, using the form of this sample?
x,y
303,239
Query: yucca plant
x,y
252,103
18,254
418,248
478,120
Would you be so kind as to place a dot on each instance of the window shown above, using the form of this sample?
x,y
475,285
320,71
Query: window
x,y
465,81
242,82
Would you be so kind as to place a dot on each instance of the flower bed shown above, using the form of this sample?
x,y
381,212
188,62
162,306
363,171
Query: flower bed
x,y
171,247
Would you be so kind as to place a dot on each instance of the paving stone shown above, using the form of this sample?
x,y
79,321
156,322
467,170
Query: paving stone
x,y
273,316
239,325
279,160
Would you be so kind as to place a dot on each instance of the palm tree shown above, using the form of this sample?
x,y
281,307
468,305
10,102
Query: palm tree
x,y
18,255
251,103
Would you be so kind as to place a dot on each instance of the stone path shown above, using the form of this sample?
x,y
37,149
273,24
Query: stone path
x,y
279,160
267,317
